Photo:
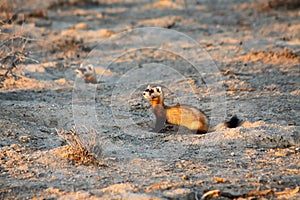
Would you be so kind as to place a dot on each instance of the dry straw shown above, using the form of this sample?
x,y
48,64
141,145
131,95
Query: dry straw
x,y
79,150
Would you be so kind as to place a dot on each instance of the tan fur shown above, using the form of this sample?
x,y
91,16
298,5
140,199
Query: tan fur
x,y
187,116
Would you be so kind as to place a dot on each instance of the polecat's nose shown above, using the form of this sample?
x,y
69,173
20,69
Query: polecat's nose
x,y
144,93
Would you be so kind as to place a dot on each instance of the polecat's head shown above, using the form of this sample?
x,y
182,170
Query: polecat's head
x,y
85,70
152,92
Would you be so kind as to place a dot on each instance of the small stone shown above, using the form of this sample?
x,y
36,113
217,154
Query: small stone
x,y
219,180
80,26
185,177
24,139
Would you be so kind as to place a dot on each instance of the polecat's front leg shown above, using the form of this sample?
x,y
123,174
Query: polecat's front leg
x,y
159,123
160,114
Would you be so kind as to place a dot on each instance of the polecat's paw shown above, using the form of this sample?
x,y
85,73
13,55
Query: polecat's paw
x,y
154,130
163,130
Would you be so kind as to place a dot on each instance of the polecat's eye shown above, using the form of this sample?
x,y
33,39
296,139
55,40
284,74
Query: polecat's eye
x,y
147,90
158,90
151,91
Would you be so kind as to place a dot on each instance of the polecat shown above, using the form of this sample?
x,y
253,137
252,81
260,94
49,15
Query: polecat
x,y
88,73
181,115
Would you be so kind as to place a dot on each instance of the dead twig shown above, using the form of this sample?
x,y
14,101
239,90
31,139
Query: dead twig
x,y
228,72
210,194
13,44
289,191
12,59
241,89
11,38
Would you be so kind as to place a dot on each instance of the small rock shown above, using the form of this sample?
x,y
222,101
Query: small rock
x,y
79,26
185,177
24,139
179,193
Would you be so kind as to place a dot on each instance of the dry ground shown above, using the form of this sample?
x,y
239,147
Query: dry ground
x,y
255,45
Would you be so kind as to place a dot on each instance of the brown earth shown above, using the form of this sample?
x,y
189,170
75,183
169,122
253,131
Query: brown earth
x,y
254,44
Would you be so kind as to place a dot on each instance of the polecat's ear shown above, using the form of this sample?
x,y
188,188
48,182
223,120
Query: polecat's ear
x,y
158,89
90,67
78,73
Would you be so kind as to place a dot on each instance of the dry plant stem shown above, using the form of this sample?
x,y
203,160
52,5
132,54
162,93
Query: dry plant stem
x,y
210,194
14,58
11,38
241,89
12,54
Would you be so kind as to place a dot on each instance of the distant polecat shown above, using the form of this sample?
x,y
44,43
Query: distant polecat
x,y
181,115
88,73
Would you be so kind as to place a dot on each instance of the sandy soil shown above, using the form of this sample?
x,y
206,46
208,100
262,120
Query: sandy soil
x,y
255,46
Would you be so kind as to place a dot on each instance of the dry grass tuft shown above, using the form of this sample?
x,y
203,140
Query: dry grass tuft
x,y
81,151
11,56
13,41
